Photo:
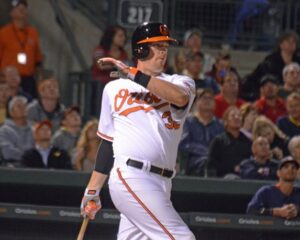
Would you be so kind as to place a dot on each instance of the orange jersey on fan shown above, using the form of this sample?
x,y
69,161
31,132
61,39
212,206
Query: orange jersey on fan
x,y
14,41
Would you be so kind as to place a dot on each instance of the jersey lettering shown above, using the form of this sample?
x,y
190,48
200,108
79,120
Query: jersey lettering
x,y
146,102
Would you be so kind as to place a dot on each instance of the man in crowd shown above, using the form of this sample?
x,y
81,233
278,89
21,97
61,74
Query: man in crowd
x,y
44,155
20,46
282,199
198,132
260,166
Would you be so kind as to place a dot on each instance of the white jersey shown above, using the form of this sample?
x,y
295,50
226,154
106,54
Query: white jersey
x,y
143,126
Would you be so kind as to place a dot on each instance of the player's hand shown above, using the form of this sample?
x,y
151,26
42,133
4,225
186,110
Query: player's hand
x,y
90,203
124,71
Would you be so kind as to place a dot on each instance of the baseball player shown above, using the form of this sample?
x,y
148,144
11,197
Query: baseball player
x,y
140,124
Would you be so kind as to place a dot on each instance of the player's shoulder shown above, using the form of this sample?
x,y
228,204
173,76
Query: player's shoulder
x,y
117,84
179,79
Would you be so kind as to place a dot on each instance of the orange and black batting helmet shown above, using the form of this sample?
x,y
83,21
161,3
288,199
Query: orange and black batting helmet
x,y
146,33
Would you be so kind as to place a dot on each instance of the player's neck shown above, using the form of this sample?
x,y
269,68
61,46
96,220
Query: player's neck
x,y
147,69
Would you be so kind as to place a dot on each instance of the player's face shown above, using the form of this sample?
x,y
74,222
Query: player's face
x,y
158,55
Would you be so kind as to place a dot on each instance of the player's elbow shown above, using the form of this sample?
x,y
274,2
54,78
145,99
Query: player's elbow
x,y
182,100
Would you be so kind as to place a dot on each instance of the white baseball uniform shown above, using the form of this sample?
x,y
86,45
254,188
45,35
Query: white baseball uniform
x,y
145,128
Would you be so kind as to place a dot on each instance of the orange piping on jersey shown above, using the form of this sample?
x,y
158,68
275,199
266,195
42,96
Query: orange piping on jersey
x,y
138,108
105,137
143,205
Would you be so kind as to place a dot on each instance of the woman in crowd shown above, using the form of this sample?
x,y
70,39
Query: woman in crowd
x,y
278,140
87,147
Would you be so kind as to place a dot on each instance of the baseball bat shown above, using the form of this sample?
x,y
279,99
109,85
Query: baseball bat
x,y
83,228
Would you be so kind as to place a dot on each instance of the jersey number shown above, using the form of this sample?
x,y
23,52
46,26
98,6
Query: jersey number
x,y
170,124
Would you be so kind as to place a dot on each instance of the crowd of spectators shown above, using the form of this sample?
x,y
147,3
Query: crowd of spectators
x,y
239,127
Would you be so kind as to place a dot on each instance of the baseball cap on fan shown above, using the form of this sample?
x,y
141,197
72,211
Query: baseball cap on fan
x,y
288,159
15,3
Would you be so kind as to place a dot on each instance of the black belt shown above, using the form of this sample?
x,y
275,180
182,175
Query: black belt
x,y
161,171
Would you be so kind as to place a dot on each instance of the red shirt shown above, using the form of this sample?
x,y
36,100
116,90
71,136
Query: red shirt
x,y
273,113
103,75
222,105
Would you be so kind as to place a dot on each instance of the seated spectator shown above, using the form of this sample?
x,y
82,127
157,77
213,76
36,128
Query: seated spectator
x,y
3,101
193,42
291,80
264,127
249,114
282,199
43,155
229,94
269,103
290,124
48,105
178,63
193,69
222,65
15,134
228,149
260,166
198,132
66,137
294,148
13,80
87,147
286,53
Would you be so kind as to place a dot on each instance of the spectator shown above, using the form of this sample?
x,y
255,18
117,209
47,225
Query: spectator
x,y
269,103
15,133
193,42
13,80
260,166
286,53
48,105
178,64
193,69
87,146
198,132
66,137
291,80
222,65
3,101
20,47
280,200
264,127
249,114
112,44
229,94
228,149
290,124
294,148
43,155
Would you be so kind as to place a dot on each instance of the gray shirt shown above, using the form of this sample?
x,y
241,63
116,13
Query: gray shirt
x,y
14,140
36,113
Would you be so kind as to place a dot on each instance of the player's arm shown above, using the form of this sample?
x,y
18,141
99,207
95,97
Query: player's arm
x,y
166,90
104,163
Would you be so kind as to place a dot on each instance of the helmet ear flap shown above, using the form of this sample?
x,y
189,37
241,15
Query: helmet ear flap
x,y
141,51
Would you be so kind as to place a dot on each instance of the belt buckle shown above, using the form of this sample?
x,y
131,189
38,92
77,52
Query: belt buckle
x,y
162,172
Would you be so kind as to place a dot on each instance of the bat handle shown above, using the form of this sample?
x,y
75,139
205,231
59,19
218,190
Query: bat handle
x,y
83,228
